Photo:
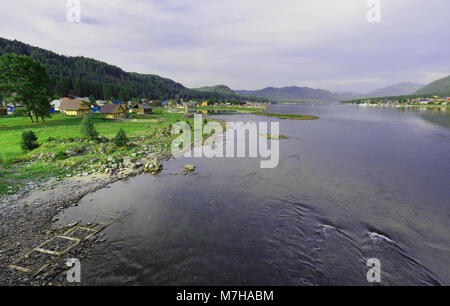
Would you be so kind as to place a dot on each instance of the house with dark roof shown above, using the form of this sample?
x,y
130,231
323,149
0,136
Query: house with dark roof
x,y
113,111
142,109
75,107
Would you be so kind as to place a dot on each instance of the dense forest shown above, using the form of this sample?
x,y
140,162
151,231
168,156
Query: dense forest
x,y
86,77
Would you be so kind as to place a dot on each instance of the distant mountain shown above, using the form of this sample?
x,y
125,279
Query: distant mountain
x,y
439,87
396,90
220,89
292,94
342,95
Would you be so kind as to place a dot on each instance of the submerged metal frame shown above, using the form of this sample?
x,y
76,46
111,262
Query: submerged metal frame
x,y
94,229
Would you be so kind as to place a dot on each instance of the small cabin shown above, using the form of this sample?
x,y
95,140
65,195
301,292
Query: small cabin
x,y
142,109
113,111
75,107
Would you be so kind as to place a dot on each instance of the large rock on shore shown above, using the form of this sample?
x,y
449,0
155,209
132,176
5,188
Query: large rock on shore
x,y
153,166
189,167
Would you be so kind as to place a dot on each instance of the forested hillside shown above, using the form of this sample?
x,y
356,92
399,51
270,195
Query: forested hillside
x,y
292,94
88,76
439,87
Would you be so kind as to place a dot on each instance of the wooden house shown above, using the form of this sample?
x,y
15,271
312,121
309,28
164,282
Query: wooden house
x,y
113,111
142,109
75,107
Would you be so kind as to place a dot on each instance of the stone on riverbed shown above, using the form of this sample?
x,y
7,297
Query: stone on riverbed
x,y
153,166
189,167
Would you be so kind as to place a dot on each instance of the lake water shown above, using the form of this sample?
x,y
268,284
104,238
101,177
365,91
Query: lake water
x,y
358,183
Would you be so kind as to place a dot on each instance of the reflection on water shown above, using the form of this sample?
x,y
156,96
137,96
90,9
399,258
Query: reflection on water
x,y
358,183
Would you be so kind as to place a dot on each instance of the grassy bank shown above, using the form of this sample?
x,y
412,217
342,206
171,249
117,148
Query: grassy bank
x,y
68,128
62,151
287,116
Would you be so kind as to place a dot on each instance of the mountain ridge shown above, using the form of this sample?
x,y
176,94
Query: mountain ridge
x,y
400,89
292,94
439,87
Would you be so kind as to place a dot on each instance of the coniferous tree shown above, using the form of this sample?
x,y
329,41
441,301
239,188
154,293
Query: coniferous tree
x,y
28,142
87,128
121,139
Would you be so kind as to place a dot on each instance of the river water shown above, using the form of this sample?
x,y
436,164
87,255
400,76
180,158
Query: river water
x,y
359,183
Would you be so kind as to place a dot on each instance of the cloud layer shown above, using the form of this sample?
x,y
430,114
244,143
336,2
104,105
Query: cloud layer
x,y
247,44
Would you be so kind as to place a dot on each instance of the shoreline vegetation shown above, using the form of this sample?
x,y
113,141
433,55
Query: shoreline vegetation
x,y
36,186
63,152
259,112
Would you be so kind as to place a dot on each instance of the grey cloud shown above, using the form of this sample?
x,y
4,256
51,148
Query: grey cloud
x,y
248,44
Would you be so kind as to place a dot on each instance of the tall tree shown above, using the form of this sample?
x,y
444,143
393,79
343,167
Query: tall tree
x,y
92,101
26,80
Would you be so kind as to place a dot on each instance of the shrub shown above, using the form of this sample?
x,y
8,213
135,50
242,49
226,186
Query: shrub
x,y
61,155
87,128
28,142
120,140
20,112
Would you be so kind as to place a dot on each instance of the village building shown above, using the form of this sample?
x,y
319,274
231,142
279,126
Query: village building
x,y
56,104
75,107
142,109
100,102
113,111
115,102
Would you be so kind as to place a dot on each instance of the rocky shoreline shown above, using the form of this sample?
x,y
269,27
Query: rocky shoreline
x,y
29,221
30,218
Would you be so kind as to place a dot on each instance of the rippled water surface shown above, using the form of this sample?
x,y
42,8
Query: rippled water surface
x,y
358,183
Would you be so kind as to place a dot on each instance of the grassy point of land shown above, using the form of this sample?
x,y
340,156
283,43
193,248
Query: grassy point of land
x,y
287,116
258,111
61,134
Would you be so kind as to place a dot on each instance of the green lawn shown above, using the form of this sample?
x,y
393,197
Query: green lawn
x,y
59,126
18,167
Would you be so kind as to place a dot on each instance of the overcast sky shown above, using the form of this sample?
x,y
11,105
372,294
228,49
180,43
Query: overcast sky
x,y
247,44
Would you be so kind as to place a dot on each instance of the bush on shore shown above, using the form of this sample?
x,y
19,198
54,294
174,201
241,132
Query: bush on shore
x,y
28,142
121,139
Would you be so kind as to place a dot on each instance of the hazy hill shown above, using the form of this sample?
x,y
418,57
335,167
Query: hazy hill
x,y
220,89
292,94
396,90
440,87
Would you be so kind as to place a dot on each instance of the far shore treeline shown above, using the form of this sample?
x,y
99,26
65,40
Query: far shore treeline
x,y
87,77
400,99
